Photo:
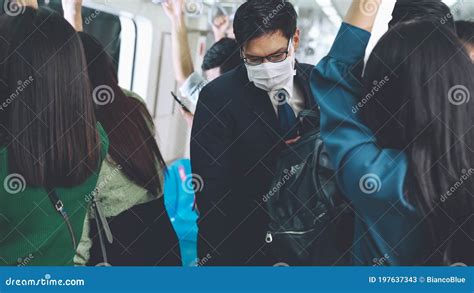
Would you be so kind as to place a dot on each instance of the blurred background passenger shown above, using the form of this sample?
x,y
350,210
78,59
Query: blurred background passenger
x,y
222,57
465,31
130,188
52,147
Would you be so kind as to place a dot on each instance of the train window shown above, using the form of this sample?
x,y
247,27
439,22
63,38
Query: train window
x,y
104,26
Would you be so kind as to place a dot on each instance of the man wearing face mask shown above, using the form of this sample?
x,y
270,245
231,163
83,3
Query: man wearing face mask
x,y
243,119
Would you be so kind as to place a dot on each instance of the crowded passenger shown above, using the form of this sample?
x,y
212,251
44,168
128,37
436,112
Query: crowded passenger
x,y
52,145
127,205
374,155
404,156
242,121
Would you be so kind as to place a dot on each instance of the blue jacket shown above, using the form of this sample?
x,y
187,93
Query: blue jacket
x,y
387,227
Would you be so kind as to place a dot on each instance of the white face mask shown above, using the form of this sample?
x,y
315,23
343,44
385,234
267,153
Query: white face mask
x,y
271,77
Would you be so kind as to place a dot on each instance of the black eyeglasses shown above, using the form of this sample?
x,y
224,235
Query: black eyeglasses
x,y
274,58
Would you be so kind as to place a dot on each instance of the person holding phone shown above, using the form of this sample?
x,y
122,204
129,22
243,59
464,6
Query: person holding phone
x,y
222,57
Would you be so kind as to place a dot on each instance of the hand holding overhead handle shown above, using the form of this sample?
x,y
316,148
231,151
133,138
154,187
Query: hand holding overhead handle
x,y
363,13
73,13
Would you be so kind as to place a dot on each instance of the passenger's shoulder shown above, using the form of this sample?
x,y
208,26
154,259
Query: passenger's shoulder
x,y
133,95
304,69
224,88
104,141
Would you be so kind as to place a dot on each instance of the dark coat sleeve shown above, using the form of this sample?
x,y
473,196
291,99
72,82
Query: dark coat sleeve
x,y
211,141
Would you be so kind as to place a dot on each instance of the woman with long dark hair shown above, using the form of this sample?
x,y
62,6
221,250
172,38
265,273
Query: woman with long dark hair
x,y
402,140
130,188
51,147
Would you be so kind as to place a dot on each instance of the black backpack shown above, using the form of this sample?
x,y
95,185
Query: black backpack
x,y
310,222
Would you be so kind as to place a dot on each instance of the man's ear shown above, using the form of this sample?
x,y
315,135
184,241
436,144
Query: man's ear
x,y
296,39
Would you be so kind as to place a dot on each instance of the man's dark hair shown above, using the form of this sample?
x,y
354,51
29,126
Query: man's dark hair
x,y
415,10
256,18
223,54
465,31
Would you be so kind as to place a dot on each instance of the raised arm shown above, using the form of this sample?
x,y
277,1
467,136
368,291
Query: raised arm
x,y
362,14
30,3
365,171
219,27
181,56
73,13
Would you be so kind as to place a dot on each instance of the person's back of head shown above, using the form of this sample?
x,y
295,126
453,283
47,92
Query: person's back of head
x,y
223,55
417,101
415,10
256,18
465,31
50,123
125,119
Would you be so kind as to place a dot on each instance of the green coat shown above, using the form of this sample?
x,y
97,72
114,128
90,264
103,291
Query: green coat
x,y
31,231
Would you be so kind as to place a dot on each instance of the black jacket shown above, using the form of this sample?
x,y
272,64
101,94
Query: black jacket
x,y
234,148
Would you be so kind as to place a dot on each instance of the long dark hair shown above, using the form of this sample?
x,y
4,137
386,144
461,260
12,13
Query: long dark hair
x,y
125,119
423,109
49,126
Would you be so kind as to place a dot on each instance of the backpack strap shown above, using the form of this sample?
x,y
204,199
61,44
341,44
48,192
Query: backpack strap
x,y
325,198
309,121
102,228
